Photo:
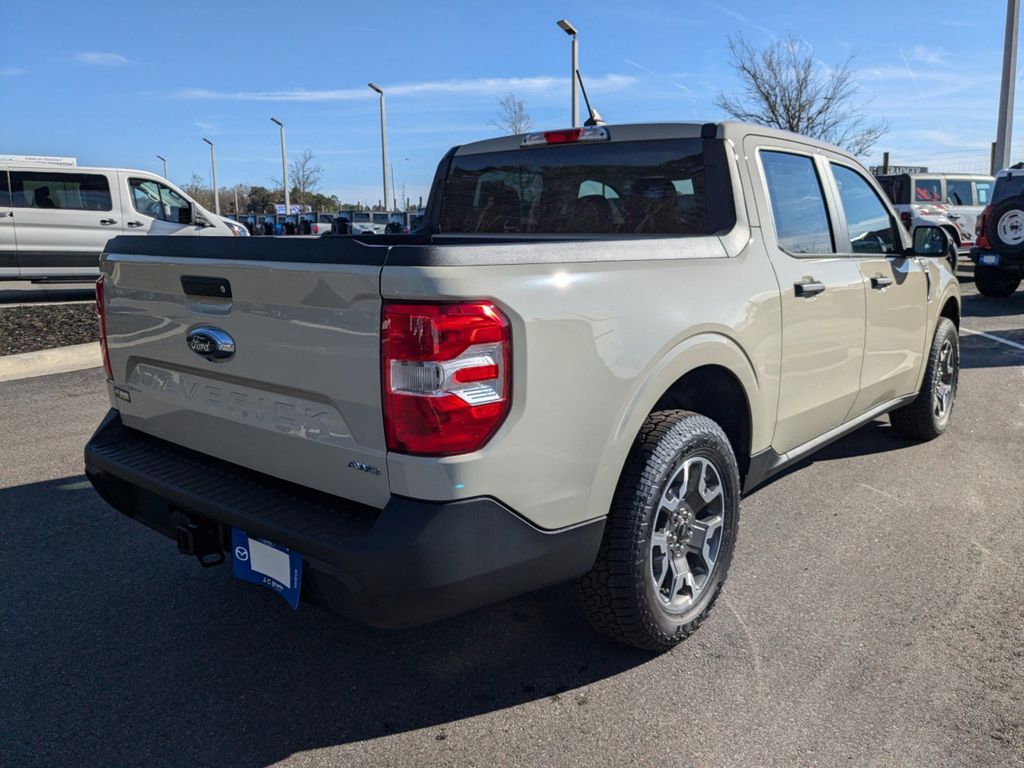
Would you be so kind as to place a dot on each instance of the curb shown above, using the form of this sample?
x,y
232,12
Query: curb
x,y
46,362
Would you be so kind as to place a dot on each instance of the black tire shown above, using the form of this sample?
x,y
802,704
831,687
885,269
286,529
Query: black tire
x,y
922,419
996,282
952,255
619,595
1014,208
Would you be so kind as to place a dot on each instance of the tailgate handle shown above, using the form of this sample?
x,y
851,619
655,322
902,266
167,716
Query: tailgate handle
x,y
209,287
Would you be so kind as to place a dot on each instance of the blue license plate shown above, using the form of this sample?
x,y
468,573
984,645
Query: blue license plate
x,y
989,259
268,564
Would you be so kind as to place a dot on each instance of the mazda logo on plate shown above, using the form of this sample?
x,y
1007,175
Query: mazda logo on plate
x,y
241,553
211,343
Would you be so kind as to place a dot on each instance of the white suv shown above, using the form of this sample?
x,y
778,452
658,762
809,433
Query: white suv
x,y
56,220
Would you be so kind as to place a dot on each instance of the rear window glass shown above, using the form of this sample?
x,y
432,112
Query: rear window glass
x,y
1007,186
984,192
622,188
927,190
67,191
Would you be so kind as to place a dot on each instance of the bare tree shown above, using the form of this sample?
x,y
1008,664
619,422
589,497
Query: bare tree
x,y
198,189
782,86
305,174
512,116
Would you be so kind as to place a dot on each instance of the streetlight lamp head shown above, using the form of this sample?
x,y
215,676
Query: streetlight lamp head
x,y
276,121
161,157
376,88
568,28
208,141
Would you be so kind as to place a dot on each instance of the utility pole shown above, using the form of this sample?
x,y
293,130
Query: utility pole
x,y
570,30
1004,131
284,168
383,144
885,163
213,173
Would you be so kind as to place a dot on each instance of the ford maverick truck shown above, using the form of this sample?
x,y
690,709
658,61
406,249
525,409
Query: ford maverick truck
x,y
596,342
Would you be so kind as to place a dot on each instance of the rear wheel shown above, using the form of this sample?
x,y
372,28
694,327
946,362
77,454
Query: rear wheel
x,y
1005,227
996,282
670,534
928,416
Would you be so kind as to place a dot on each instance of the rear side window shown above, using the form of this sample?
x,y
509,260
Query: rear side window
x,y
5,191
624,188
798,203
927,190
959,192
59,190
984,189
871,228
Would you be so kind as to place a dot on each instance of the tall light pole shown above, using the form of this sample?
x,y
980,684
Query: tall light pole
x,y
570,30
383,143
213,171
284,168
1004,131
161,157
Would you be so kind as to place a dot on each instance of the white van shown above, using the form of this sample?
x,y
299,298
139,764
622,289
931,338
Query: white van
x,y
56,220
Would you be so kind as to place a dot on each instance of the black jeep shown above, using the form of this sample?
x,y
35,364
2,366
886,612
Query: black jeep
x,y
998,255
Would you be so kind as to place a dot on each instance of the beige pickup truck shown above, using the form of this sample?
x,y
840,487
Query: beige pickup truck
x,y
598,340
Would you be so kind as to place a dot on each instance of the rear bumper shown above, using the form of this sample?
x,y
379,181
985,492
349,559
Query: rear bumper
x,y
409,563
988,257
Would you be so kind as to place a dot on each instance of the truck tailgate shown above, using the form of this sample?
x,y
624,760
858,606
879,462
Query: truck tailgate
x,y
300,397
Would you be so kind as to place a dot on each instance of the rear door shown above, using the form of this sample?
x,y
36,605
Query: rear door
x,y
64,219
823,311
8,236
895,285
299,398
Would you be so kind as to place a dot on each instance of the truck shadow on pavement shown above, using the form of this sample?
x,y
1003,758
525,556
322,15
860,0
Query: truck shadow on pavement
x,y
120,651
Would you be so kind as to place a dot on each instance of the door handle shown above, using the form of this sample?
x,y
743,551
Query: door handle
x,y
4,214
808,289
134,223
108,222
881,282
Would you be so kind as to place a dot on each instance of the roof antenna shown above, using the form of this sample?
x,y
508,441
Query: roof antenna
x,y
595,116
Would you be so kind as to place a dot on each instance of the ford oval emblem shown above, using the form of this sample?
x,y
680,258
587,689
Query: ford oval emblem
x,y
211,343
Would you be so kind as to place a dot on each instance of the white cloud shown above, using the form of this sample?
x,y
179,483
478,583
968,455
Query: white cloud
x,y
485,86
928,55
101,58
12,71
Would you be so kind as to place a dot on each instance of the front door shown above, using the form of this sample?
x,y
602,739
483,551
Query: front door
x,y
64,220
8,236
822,296
896,290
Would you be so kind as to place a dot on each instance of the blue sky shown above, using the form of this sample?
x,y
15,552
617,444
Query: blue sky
x,y
116,83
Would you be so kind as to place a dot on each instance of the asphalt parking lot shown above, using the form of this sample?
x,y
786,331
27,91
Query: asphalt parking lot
x,y
873,617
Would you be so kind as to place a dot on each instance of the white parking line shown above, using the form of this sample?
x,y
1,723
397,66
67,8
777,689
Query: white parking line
x,y
990,337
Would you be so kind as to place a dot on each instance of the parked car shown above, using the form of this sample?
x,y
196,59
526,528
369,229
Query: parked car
x,y
951,201
315,223
56,220
598,341
999,254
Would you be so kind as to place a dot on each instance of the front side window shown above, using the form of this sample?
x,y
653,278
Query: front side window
x,y
868,222
60,190
798,203
959,193
927,190
156,200
625,188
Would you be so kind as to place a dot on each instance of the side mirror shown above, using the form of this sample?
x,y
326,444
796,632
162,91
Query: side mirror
x,y
930,241
185,215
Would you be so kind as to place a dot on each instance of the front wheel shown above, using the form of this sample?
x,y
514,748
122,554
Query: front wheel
x,y
670,534
928,416
996,282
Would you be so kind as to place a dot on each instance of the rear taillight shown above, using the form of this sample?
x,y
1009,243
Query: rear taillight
x,y
101,313
316,229
446,372
980,238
